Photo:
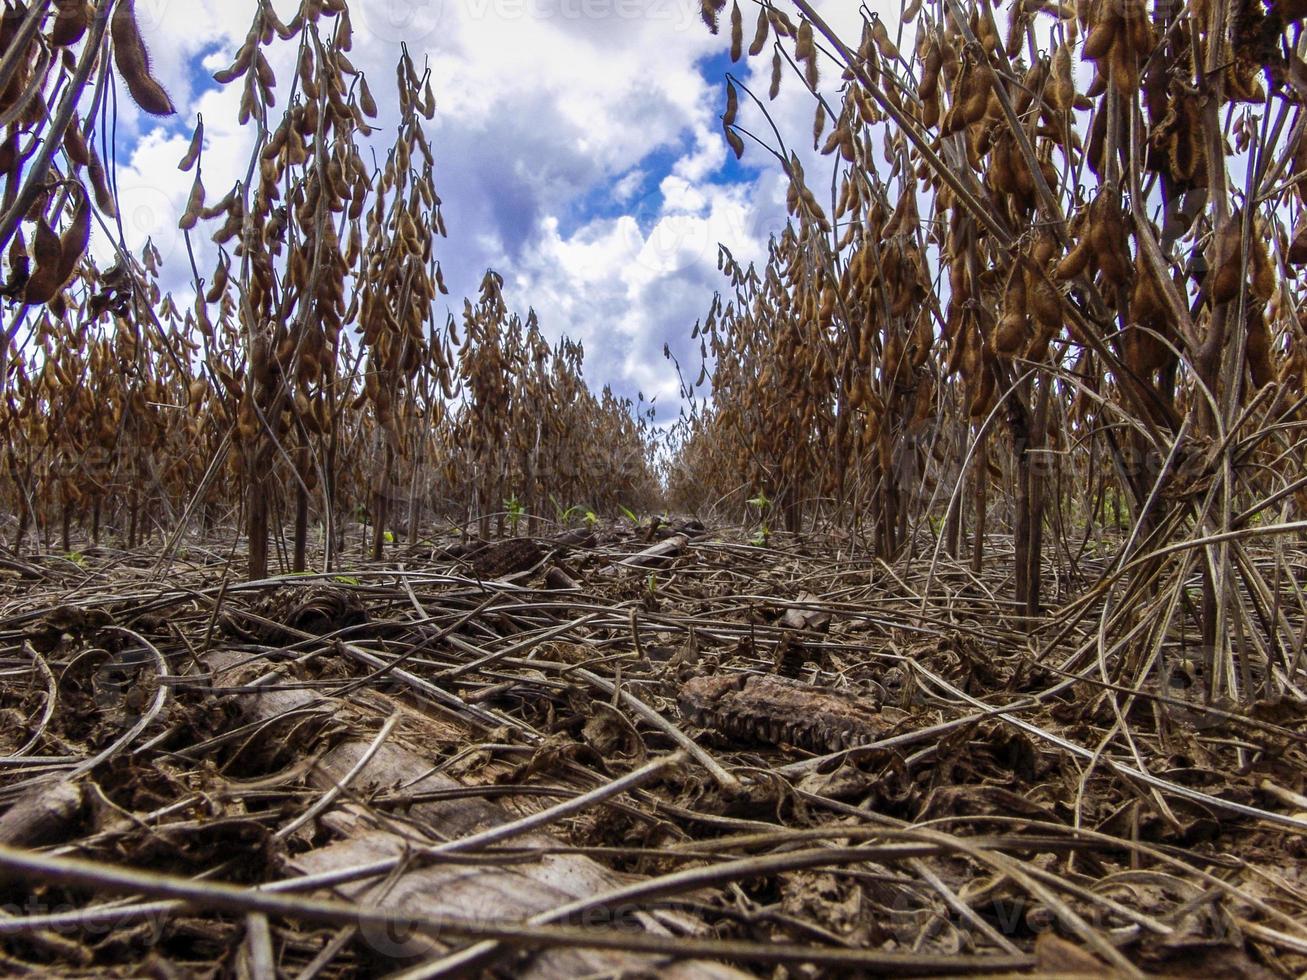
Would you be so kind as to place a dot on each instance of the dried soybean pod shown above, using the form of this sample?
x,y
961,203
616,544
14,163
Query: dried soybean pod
x,y
1045,301
229,200
1101,39
880,35
932,60
194,205
1257,350
197,143
70,22
805,51
239,66
104,199
760,33
221,275
805,47
19,266
344,30
1009,335
1074,262
73,242
47,258
708,11
736,143
1014,326
1063,90
133,61
366,102
1262,285
1228,273
75,144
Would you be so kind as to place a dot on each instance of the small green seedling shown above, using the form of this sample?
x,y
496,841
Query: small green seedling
x,y
77,558
515,510
565,516
387,537
346,580
630,515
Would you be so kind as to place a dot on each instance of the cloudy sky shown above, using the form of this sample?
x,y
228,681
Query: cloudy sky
x,y
578,151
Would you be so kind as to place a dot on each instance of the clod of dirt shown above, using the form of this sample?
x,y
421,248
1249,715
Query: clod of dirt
x,y
507,558
773,710
313,609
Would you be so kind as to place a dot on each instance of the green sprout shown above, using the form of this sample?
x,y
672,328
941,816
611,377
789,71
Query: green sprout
x,y
565,514
515,511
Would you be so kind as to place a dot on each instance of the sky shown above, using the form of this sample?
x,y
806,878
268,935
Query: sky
x,y
578,147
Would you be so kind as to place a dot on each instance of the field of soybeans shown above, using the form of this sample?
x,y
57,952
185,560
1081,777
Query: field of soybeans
x,y
954,624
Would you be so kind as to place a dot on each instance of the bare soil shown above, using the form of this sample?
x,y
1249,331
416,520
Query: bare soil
x,y
620,751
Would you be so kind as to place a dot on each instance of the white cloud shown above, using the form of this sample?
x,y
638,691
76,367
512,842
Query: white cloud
x,y
624,292
549,112
626,187
152,191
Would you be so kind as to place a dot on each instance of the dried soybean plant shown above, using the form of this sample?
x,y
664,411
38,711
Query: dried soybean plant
x,y
1060,249
528,431
103,416
94,369
332,294
400,284
310,379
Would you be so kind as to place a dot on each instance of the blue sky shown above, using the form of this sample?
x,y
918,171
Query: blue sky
x,y
578,152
